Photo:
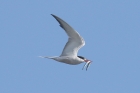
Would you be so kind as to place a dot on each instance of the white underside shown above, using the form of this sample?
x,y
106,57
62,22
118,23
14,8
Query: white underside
x,y
66,59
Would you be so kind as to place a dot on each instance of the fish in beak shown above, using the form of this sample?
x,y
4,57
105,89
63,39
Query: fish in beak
x,y
87,64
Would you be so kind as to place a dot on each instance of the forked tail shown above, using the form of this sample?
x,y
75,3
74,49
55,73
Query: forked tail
x,y
48,57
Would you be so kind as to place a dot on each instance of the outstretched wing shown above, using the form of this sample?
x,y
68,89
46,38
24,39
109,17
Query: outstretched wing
x,y
75,41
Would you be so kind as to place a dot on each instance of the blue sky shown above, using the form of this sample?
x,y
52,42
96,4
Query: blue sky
x,y
111,29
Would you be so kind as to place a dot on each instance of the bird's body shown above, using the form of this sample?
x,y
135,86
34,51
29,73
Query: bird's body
x,y
67,59
75,42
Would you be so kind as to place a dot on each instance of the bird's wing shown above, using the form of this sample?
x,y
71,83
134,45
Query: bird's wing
x,y
75,41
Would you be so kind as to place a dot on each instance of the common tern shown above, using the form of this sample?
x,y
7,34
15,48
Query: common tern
x,y
75,42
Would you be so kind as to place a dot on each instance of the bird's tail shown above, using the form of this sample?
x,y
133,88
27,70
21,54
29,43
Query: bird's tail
x,y
48,57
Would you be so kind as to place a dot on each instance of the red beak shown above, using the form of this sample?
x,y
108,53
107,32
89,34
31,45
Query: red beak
x,y
86,60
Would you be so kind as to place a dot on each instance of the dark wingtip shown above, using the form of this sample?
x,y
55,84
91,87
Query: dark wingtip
x,y
53,15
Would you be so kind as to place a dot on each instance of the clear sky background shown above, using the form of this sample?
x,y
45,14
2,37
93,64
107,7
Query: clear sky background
x,y
111,29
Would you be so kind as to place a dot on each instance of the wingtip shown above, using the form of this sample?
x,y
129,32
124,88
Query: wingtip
x,y
52,14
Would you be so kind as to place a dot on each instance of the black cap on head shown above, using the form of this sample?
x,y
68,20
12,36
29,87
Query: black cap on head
x,y
81,57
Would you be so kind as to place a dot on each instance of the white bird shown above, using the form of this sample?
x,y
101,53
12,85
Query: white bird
x,y
75,42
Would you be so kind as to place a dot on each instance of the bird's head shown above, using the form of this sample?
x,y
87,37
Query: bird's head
x,y
84,59
88,62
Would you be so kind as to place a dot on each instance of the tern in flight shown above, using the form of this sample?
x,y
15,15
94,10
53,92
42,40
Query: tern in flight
x,y
75,42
